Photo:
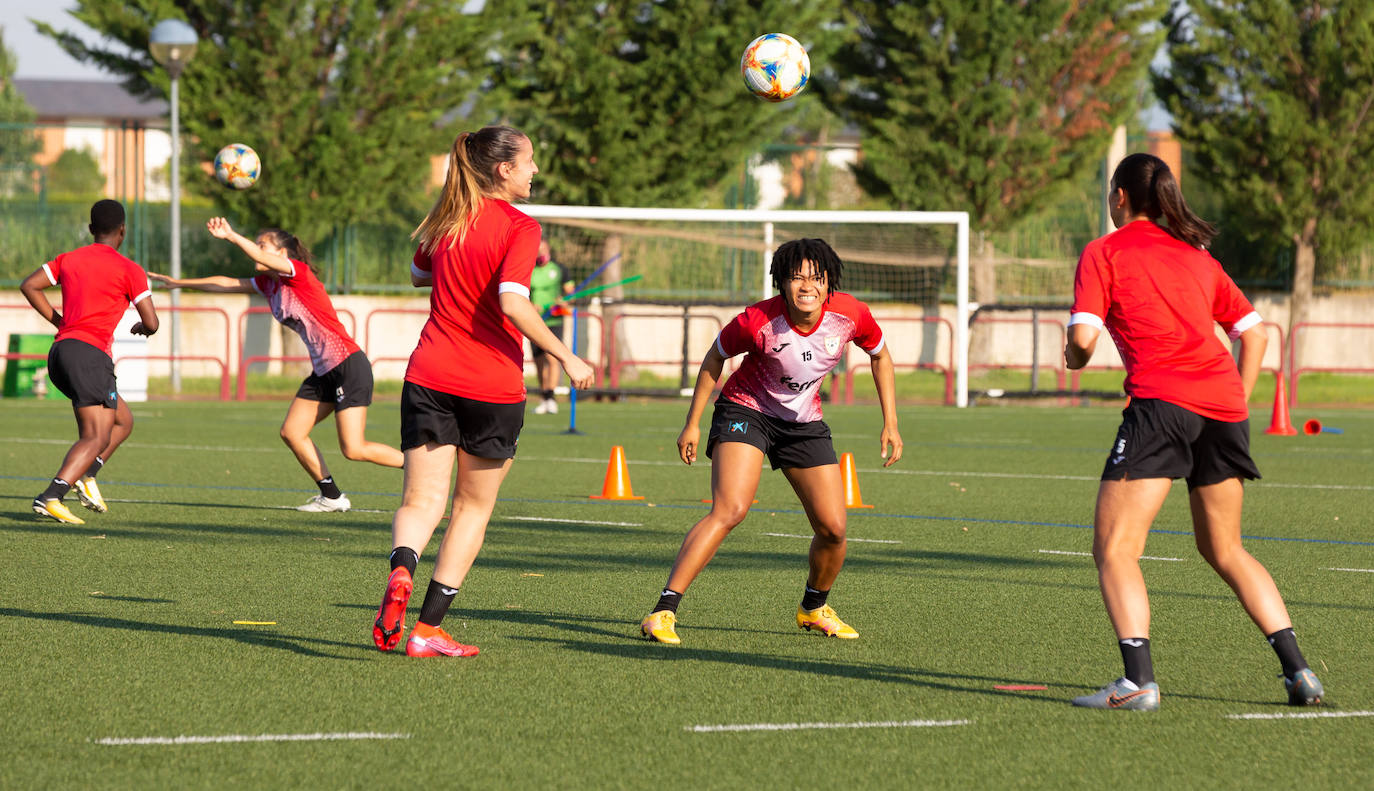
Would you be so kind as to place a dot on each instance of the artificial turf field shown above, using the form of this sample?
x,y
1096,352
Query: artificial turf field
x,y
968,574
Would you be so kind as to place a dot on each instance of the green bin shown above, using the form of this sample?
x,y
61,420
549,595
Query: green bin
x,y
20,374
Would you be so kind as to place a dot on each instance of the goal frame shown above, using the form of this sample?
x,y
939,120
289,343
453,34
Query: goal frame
x,y
768,217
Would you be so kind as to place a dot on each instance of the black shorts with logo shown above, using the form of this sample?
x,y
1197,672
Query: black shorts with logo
x,y
83,373
787,444
347,384
480,428
1158,439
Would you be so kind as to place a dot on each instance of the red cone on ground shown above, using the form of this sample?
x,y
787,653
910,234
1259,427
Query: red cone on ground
x,y
1280,423
617,485
852,498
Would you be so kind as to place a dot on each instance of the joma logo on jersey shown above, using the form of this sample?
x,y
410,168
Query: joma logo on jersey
x,y
798,387
739,427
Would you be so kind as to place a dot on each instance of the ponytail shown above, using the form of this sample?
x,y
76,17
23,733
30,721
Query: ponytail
x,y
470,179
1153,191
293,247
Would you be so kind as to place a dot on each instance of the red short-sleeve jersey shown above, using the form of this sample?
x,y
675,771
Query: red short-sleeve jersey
x,y
1160,299
783,367
468,347
298,300
98,284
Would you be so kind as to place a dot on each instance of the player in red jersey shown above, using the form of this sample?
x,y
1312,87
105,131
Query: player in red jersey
x,y
341,375
464,395
771,407
1159,294
98,284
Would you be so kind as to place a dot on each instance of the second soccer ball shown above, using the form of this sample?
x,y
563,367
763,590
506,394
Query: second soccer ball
x,y
775,67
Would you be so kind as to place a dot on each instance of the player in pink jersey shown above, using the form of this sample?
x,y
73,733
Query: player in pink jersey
x,y
771,407
1160,295
98,284
464,397
341,375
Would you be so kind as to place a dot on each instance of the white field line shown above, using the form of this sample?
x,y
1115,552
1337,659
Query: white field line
x,y
135,444
572,521
803,726
1305,715
1366,571
276,507
864,540
264,737
1089,554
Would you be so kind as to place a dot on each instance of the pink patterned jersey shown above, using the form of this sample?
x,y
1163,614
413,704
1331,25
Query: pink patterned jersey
x,y
783,367
299,301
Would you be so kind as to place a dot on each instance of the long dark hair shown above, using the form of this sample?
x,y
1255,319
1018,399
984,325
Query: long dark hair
x,y
471,177
287,241
1153,191
787,261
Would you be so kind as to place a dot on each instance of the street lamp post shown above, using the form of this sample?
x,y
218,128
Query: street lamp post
x,y
172,42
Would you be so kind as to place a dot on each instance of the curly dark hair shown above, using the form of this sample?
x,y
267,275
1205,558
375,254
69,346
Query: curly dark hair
x,y
787,261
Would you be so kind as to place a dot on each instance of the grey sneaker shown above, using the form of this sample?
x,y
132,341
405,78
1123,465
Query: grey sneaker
x,y
1118,696
1303,688
319,504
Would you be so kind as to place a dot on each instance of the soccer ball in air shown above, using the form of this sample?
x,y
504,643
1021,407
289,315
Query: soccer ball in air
x,y
237,166
775,67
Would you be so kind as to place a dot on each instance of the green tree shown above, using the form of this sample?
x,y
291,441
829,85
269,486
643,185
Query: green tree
x,y
642,104
17,145
987,106
1274,99
345,102
76,174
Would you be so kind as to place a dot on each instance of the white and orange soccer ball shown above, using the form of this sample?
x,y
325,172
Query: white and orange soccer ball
x,y
775,67
237,166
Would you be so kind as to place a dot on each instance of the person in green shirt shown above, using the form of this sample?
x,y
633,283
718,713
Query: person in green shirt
x,y
546,288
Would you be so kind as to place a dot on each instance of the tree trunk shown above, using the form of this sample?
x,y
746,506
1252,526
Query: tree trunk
x,y
983,285
1304,274
611,297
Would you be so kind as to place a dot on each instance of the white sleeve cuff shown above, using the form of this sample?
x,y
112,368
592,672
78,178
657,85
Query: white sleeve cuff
x,y
1246,322
1090,319
52,280
146,293
721,349
256,287
417,272
877,349
512,287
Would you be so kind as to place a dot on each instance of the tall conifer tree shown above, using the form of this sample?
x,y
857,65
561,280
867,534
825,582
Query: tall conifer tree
x,y
17,146
1274,99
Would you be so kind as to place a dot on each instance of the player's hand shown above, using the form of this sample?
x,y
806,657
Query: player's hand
x,y
165,280
890,446
139,329
56,319
219,228
687,443
579,372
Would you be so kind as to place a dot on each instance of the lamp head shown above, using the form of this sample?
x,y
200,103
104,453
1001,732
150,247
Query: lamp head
x,y
172,42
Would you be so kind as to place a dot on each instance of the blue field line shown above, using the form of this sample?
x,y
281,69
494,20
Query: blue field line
x,y
913,517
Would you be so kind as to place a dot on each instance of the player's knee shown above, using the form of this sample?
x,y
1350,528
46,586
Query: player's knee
x,y
353,451
729,515
831,532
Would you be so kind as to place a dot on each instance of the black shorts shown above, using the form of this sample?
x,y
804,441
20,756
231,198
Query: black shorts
x,y
787,444
556,327
1158,439
480,428
83,373
347,384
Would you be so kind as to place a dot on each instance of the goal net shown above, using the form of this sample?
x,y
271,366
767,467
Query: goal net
x,y
911,263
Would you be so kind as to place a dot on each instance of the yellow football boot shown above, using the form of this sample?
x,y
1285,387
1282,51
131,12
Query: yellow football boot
x,y
54,509
660,627
825,621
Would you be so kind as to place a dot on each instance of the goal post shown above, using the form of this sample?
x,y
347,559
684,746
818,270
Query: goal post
x,y
888,251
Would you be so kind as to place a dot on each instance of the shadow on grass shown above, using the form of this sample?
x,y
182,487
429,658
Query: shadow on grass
x,y
253,637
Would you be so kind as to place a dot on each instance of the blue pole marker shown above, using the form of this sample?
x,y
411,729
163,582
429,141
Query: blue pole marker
x,y
572,391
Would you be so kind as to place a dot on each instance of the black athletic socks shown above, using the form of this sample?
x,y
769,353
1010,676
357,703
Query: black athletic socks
x,y
56,490
329,489
1135,655
94,469
438,598
813,599
404,556
668,600
1285,644
547,394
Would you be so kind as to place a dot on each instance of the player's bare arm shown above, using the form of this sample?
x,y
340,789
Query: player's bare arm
x,y
147,323
525,317
884,379
1252,342
1081,344
221,284
32,289
707,377
275,261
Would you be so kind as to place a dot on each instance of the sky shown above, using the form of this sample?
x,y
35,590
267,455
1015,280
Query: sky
x,y
38,56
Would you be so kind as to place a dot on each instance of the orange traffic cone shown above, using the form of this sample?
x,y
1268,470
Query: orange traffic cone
x,y
1279,423
852,499
617,485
